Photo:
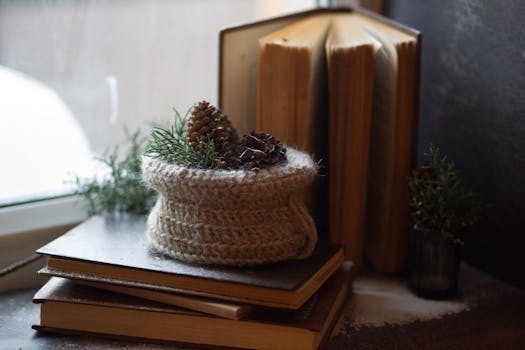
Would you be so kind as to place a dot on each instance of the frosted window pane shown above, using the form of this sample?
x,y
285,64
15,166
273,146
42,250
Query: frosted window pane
x,y
74,73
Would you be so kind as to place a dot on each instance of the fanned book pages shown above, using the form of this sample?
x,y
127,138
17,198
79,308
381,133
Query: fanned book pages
x,y
350,56
364,130
393,143
68,307
291,84
292,96
116,251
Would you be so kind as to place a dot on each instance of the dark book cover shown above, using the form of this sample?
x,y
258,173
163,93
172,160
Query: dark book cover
x,y
121,242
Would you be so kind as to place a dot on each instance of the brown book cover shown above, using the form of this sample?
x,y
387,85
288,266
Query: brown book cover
x,y
66,306
115,250
393,129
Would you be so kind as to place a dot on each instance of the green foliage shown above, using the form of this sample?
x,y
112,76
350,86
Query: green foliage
x,y
439,202
170,144
121,188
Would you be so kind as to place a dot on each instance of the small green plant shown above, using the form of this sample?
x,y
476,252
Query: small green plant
x,y
439,202
120,189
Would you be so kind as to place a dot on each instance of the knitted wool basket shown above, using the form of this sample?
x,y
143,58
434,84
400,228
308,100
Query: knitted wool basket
x,y
231,217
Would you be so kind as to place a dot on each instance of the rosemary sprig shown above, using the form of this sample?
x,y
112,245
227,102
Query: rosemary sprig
x,y
121,188
439,200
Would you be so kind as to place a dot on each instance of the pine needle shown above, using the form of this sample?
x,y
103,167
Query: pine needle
x,y
171,145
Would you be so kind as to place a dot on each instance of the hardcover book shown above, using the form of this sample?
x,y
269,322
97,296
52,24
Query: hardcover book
x,y
341,84
115,251
68,307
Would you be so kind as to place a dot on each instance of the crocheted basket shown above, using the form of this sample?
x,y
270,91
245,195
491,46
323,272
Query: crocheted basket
x,y
231,217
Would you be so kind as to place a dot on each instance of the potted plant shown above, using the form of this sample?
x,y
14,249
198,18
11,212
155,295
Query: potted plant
x,y
441,208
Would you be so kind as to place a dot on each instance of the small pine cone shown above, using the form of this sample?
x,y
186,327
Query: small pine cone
x,y
200,123
230,159
223,134
260,150
208,123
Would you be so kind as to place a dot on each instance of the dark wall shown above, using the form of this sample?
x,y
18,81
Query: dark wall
x,y
473,108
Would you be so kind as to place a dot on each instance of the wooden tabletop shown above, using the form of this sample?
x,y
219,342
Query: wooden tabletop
x,y
495,319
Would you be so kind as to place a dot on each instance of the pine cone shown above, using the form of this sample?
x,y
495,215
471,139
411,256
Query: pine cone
x,y
260,150
209,123
229,160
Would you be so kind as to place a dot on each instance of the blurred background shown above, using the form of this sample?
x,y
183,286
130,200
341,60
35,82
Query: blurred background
x,y
73,74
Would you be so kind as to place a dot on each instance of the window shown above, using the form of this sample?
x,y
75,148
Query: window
x,y
73,74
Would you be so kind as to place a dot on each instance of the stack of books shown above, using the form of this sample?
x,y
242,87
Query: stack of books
x,y
107,281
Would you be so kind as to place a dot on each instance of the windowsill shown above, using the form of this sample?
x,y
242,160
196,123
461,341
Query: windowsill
x,y
35,197
59,211
26,227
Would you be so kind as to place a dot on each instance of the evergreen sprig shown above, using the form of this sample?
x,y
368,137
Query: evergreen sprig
x,y
171,144
439,202
120,189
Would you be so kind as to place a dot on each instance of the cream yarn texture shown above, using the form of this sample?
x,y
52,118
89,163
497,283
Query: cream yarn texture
x,y
231,217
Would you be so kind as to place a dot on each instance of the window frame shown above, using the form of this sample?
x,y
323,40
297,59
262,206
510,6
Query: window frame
x,y
41,213
27,225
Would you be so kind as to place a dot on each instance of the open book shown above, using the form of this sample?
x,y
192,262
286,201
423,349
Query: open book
x,y
342,85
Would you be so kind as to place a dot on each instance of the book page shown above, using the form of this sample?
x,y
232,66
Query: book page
x,y
292,84
292,97
392,145
350,54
